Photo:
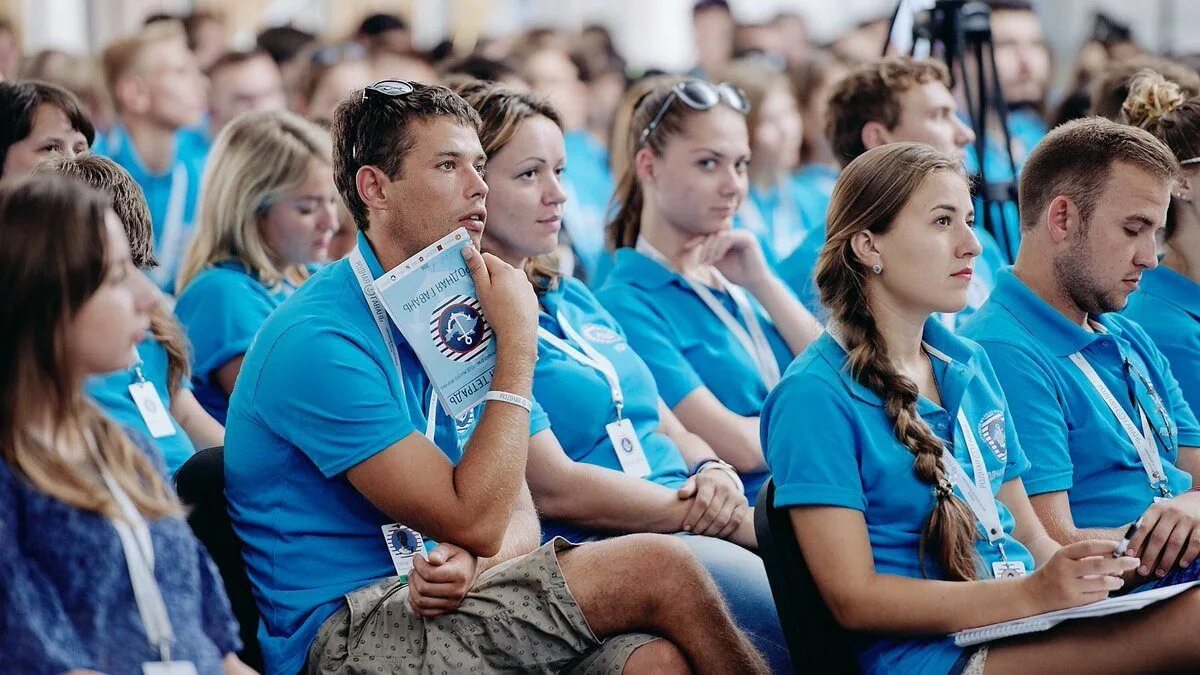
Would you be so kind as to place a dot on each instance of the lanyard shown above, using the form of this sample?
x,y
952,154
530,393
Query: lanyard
x,y
367,285
1146,448
977,491
755,341
134,534
172,236
590,356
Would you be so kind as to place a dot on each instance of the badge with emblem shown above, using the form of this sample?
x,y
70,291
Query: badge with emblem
x,y
603,335
459,329
991,429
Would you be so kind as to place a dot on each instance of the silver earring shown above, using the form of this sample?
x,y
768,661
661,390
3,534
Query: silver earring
x,y
877,269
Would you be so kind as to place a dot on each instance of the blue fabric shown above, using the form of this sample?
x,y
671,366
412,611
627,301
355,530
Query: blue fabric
x,y
222,309
685,345
111,393
1026,130
776,216
1167,307
829,442
66,601
296,425
578,399
589,187
812,186
157,189
1072,438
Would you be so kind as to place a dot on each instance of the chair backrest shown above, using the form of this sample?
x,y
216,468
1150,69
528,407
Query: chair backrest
x,y
200,483
816,642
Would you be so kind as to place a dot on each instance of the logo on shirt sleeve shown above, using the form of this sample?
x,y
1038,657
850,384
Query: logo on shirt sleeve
x,y
603,335
459,329
992,431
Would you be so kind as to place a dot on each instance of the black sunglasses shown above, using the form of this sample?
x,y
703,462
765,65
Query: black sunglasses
x,y
389,88
698,95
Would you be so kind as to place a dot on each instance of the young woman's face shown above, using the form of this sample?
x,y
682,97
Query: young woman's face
x,y
525,192
299,227
928,255
700,180
115,318
51,133
779,131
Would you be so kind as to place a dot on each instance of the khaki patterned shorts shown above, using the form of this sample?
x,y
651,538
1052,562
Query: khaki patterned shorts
x,y
519,617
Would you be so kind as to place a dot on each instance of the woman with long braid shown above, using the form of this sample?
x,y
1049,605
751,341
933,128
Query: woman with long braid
x,y
874,435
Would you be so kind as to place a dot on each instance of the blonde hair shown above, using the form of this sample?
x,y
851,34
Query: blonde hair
x,y
257,158
125,56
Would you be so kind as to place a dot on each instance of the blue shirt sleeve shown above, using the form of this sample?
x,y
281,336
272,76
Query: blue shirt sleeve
x,y
1036,416
221,311
306,402
1017,463
1181,412
653,340
38,635
810,445
539,421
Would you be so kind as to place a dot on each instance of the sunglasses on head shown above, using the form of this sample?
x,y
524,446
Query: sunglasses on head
x,y
698,95
389,88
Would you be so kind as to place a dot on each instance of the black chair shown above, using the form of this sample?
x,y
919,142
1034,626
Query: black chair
x,y
200,483
815,640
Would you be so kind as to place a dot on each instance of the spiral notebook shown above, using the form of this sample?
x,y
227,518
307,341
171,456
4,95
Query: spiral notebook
x,y
1041,622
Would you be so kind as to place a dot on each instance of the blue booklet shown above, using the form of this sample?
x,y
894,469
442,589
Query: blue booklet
x,y
431,298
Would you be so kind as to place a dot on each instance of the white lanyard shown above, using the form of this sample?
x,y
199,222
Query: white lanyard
x,y
172,236
134,534
1143,440
590,356
367,285
755,341
977,492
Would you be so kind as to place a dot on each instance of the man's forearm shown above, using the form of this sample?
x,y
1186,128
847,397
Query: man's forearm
x,y
523,535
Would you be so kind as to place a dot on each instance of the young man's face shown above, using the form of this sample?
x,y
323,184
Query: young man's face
x,y
929,114
1022,57
440,186
173,84
254,84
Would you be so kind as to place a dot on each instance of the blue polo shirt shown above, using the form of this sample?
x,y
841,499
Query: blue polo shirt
x,y
222,309
589,187
1167,307
157,188
812,184
685,345
111,393
775,216
1073,440
829,442
297,422
578,399
799,270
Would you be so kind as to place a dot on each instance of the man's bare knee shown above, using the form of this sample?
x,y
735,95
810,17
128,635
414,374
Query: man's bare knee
x,y
657,656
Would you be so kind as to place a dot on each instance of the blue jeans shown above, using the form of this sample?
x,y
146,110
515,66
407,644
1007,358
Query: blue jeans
x,y
742,579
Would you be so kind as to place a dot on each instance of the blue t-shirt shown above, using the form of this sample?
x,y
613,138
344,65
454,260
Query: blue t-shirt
x,y
829,442
1073,440
184,175
775,216
317,395
799,270
1167,307
222,310
589,187
111,393
578,398
685,345
812,186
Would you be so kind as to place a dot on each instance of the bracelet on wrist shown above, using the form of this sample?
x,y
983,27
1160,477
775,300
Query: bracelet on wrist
x,y
508,397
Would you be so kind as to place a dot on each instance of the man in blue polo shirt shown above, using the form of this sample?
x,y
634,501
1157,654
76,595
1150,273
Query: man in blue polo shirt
x,y
1099,413
338,463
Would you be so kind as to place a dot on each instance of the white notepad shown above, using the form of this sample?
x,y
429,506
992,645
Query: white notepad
x,y
1040,622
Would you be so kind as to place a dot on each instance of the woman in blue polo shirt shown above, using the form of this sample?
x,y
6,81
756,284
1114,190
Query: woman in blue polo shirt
x,y
1168,303
696,298
268,213
615,460
876,435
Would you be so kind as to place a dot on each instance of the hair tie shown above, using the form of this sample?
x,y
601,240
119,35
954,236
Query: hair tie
x,y
943,489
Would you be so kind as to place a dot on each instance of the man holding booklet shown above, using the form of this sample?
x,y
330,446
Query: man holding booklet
x,y
342,466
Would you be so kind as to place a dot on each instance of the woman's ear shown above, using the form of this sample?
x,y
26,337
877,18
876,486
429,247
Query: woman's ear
x,y
864,245
644,164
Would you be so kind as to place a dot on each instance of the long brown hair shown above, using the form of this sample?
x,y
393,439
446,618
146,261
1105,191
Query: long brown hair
x,y
53,253
110,178
502,110
868,195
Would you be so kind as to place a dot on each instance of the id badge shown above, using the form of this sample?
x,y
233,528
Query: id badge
x,y
1008,569
168,668
402,544
145,397
629,451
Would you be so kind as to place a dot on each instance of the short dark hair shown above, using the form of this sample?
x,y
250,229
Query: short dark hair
x,y
236,58
284,43
1009,5
871,93
481,68
377,131
19,102
378,24
1076,160
705,5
